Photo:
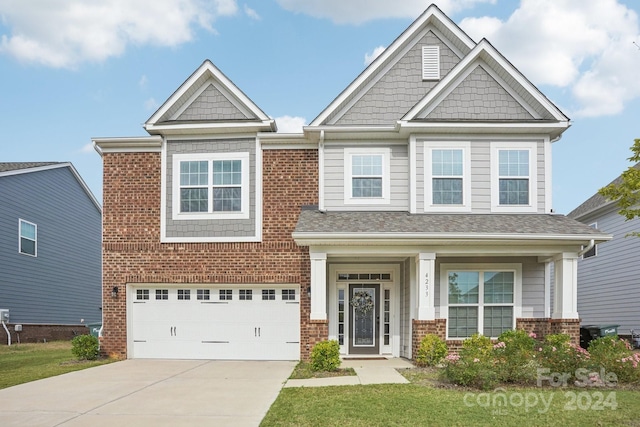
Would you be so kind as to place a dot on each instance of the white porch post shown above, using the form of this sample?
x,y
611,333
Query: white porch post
x,y
318,285
425,272
565,291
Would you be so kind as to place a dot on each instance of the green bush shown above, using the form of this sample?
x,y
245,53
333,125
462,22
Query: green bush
x,y
474,366
561,356
514,353
477,346
85,347
325,356
432,350
615,355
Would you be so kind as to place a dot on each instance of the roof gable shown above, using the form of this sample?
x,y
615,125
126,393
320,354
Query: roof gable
x,y
206,101
432,26
505,78
23,168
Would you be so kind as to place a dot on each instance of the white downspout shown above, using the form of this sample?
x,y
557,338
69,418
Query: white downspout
x,y
321,172
8,333
590,246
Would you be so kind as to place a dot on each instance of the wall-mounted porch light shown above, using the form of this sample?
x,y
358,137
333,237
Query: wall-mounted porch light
x,y
114,292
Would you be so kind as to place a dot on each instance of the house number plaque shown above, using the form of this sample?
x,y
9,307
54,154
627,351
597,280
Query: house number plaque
x,y
426,284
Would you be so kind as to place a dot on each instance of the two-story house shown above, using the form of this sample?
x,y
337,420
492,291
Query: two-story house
x,y
609,275
50,260
419,201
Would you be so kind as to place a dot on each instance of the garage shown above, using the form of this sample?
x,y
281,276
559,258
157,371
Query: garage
x,y
222,322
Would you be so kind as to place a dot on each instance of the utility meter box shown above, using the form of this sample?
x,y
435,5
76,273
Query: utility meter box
x,y
4,315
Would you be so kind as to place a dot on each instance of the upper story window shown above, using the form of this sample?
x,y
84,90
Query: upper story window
x,y
513,184
366,175
447,182
28,238
208,186
430,62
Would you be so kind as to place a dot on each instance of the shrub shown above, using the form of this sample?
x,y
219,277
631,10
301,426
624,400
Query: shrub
x,y
615,355
559,355
325,356
474,366
514,353
432,350
477,346
85,347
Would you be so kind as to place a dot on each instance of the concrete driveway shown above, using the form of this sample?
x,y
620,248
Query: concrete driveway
x,y
149,393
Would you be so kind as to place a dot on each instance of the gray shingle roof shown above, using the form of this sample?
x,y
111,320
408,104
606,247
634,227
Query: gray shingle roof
x,y
12,166
596,201
314,221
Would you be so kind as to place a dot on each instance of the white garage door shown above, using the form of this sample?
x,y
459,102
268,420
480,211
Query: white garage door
x,y
250,323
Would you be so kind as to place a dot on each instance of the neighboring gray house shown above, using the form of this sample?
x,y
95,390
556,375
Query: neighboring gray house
x,y
609,275
50,251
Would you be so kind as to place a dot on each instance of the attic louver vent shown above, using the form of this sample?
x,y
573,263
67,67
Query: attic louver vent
x,y
430,62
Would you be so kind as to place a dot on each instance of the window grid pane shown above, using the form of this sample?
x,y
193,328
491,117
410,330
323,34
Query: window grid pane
x,y
366,187
184,294
463,321
268,294
463,287
203,294
227,172
497,320
194,173
447,191
246,294
514,191
288,295
227,199
225,294
194,200
498,287
513,171
162,294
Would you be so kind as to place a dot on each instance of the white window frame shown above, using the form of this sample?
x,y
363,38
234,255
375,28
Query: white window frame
x,y
488,267
385,199
20,237
211,157
532,147
429,146
431,62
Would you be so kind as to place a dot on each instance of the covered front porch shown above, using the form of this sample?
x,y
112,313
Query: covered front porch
x,y
381,292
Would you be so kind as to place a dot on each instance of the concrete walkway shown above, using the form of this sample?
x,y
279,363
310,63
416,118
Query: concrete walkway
x,y
368,371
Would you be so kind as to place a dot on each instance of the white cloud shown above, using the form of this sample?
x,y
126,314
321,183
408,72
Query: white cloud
x,y
151,104
88,148
370,57
251,13
288,124
584,46
359,11
66,33
143,81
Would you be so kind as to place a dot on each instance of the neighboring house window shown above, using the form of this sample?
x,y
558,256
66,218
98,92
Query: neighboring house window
x,y
430,62
514,184
367,179
447,182
208,186
28,238
481,300
594,250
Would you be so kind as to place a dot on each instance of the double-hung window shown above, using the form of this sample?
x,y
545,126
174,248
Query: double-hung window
x,y
481,299
447,183
514,180
208,186
367,176
28,238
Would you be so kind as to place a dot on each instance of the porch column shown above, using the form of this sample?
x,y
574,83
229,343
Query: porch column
x,y
565,286
318,285
425,281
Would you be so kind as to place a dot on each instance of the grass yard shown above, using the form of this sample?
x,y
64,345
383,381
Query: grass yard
x,y
22,363
423,404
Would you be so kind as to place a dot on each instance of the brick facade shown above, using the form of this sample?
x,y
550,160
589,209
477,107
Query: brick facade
x,y
132,252
42,333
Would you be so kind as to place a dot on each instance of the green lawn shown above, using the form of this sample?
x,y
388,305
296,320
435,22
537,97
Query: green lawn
x,y
22,363
417,404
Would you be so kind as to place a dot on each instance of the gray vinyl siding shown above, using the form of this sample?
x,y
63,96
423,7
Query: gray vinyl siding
x,y
334,180
62,284
400,88
532,281
211,227
609,283
480,157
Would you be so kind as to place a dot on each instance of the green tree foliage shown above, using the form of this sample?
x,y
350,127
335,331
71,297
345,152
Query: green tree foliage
x,y
625,191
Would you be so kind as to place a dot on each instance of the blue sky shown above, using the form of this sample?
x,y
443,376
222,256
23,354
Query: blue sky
x,y
76,69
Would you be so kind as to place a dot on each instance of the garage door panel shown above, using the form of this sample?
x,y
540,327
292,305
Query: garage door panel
x,y
263,325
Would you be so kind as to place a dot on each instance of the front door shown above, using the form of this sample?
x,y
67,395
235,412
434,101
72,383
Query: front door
x,y
364,316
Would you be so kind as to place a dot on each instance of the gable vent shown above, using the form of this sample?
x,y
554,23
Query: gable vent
x,y
430,62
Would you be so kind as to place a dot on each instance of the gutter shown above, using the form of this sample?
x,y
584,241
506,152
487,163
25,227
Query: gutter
x,y
590,246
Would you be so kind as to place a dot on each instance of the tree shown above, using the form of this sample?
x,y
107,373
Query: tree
x,y
625,190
